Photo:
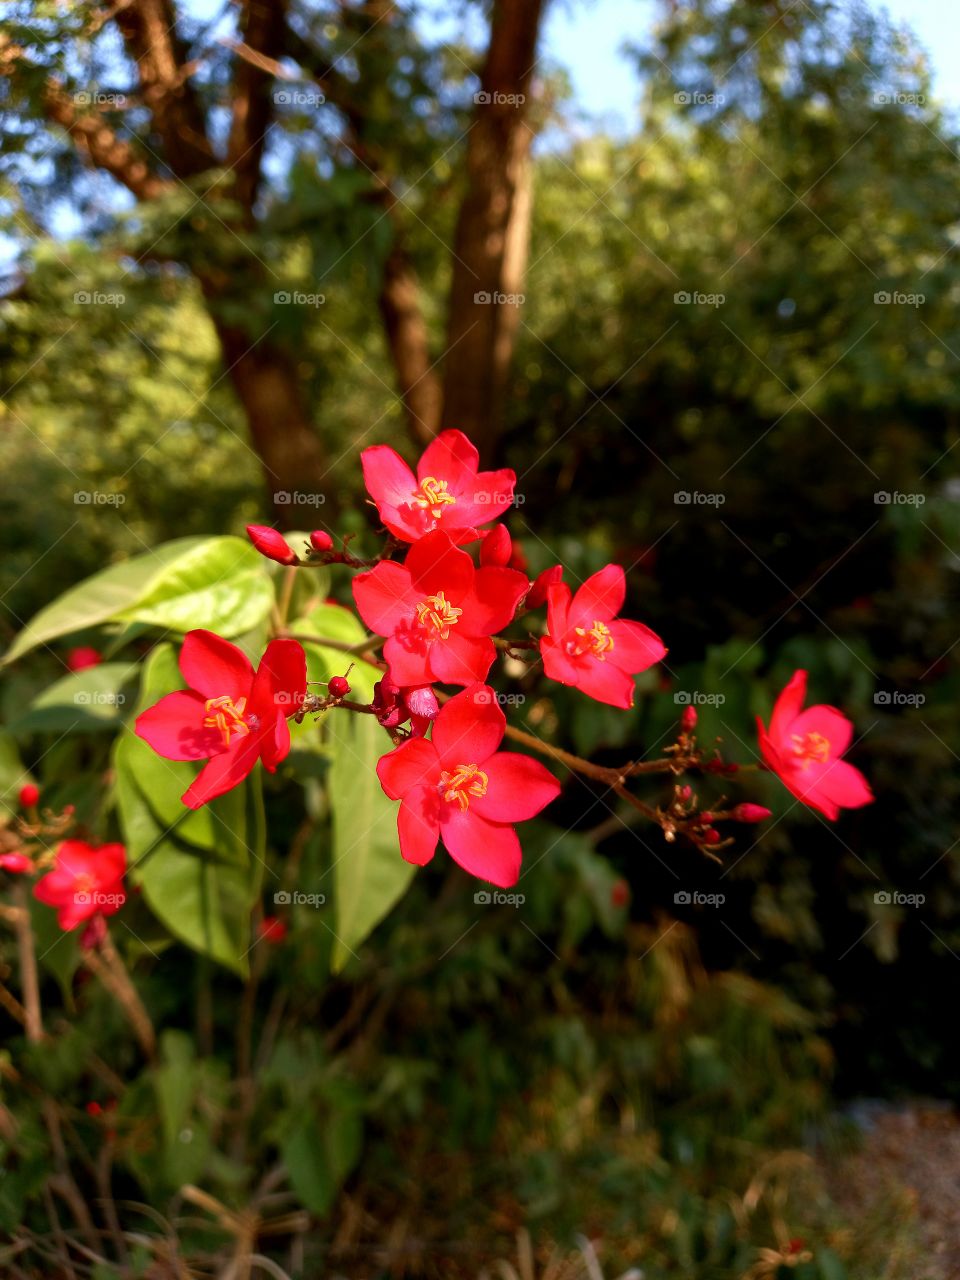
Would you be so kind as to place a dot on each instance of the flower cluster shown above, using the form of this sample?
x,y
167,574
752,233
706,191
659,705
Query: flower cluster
x,y
437,601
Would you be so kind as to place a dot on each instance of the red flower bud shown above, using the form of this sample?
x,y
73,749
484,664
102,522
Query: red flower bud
x,y
272,929
497,547
619,893
320,540
711,836
688,720
83,657
750,813
15,862
29,795
271,543
94,1109
686,793
706,817
339,687
537,595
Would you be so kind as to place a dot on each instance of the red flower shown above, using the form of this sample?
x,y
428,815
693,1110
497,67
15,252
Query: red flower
x,y
541,585
272,929
497,546
271,543
803,748
458,786
588,646
437,611
29,795
229,715
16,863
448,492
83,657
395,704
85,882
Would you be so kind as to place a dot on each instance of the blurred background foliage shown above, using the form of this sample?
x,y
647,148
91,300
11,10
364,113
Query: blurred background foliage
x,y
624,1070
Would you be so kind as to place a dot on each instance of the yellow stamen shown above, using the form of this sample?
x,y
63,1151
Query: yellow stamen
x,y
437,612
463,782
433,495
227,716
811,747
599,640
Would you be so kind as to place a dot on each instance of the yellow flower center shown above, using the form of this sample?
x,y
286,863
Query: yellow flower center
x,y
227,716
461,783
811,747
433,496
596,640
437,612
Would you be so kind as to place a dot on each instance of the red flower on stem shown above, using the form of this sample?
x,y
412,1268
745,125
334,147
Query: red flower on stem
x,y
437,611
230,716
15,862
85,882
803,748
457,786
448,492
588,646
394,705
272,544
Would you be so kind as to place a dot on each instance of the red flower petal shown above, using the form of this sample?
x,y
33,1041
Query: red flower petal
x,y
214,667
461,659
828,721
411,765
469,728
418,825
557,664
518,787
491,603
435,564
845,785
387,477
223,772
599,599
482,848
174,727
281,680
635,647
274,742
605,682
788,706
451,457
385,596
408,657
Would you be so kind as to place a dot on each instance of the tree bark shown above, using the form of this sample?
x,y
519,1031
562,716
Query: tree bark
x,y
490,247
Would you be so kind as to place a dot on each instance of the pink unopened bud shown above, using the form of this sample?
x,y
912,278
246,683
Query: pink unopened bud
x,y
686,793
320,540
711,836
497,547
339,686
537,594
271,543
15,862
29,795
706,816
688,720
81,658
750,813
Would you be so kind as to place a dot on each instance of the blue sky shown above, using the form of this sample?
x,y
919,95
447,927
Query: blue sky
x,y
586,36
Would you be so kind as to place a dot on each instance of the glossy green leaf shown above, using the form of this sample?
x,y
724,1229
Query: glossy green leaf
x,y
94,698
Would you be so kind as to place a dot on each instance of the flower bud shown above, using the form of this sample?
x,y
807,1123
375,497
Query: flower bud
x,y
750,813
81,658
272,929
320,540
537,595
497,547
619,893
339,686
686,793
29,795
711,836
688,719
271,543
706,817
15,862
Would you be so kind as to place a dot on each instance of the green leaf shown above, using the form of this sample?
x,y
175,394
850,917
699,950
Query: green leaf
x,y
100,598
200,870
368,872
82,700
57,952
218,582
332,622
12,773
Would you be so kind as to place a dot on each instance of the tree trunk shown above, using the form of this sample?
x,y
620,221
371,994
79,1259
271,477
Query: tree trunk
x,y
407,339
266,382
490,247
